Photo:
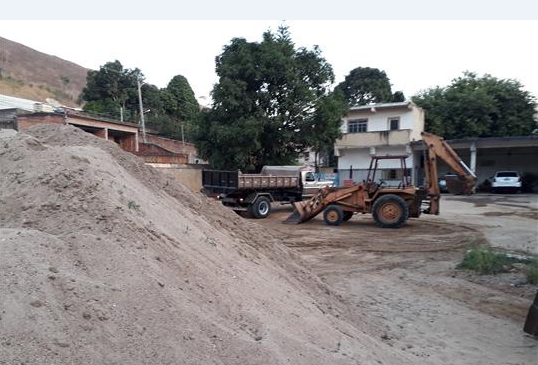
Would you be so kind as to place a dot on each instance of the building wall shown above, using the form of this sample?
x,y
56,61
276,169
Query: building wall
x,y
188,175
358,159
25,122
176,146
410,118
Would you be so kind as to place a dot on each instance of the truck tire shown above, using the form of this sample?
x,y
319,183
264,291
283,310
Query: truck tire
x,y
347,216
333,215
261,208
390,211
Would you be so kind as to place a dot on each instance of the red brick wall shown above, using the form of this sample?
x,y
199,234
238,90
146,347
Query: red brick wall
x,y
128,143
26,122
171,144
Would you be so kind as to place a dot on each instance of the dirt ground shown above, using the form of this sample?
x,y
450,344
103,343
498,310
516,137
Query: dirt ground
x,y
404,285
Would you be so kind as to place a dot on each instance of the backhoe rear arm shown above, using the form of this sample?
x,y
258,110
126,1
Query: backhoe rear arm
x,y
437,147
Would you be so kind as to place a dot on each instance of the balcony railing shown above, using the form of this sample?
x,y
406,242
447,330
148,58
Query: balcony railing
x,y
369,139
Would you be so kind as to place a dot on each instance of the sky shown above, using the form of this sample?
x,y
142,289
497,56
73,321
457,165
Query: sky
x,y
416,55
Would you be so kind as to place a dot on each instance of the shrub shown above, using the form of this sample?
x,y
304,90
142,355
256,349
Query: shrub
x,y
485,261
531,272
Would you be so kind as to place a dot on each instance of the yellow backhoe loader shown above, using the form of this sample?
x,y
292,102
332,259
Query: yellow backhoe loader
x,y
390,206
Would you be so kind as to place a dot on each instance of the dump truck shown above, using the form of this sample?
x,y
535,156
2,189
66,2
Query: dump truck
x,y
254,193
390,206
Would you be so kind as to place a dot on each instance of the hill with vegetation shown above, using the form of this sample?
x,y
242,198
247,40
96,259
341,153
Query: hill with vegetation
x,y
28,73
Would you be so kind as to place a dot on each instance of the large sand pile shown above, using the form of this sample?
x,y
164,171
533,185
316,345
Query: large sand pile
x,y
105,261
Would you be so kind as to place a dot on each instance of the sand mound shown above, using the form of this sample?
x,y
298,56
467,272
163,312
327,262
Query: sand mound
x,y
105,261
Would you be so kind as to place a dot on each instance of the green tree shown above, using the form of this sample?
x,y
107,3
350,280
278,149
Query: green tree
x,y
366,85
110,88
266,103
473,106
180,105
326,123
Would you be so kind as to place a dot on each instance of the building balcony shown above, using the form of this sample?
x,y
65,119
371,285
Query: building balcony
x,y
372,139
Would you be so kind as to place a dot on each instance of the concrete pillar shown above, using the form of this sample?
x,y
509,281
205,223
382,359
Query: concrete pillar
x,y
106,133
473,150
136,142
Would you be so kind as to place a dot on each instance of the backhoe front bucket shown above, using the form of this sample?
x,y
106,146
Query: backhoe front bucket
x,y
308,209
300,213
294,218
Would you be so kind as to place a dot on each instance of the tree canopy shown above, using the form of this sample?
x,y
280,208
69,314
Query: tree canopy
x,y
366,85
272,101
473,106
114,87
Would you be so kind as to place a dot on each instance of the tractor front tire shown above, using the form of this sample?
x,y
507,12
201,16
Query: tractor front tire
x,y
333,215
390,211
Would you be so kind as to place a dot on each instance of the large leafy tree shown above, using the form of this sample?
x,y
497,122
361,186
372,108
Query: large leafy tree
x,y
180,105
267,103
113,88
473,106
110,89
366,85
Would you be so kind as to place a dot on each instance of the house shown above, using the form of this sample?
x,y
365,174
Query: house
x,y
378,130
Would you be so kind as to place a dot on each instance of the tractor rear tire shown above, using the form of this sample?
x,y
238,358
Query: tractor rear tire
x,y
261,208
333,215
390,211
347,216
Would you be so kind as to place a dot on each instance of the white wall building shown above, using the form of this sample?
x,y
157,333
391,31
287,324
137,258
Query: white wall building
x,y
378,129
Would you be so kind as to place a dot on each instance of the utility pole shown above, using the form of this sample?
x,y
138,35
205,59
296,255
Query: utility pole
x,y
182,135
139,84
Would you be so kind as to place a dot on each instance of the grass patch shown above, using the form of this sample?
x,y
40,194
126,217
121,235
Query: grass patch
x,y
531,272
487,262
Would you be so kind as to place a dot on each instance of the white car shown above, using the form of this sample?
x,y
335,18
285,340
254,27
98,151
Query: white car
x,y
506,180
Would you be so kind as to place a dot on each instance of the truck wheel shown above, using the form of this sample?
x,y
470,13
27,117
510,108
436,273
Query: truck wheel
x,y
347,216
333,215
261,208
390,211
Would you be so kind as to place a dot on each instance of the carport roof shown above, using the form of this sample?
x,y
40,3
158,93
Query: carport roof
x,y
488,142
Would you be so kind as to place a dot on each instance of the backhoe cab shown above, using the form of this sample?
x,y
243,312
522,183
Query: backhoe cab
x,y
390,206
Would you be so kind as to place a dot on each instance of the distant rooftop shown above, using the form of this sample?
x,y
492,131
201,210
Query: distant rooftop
x,y
11,102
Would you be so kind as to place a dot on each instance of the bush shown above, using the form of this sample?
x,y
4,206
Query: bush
x,y
485,261
531,272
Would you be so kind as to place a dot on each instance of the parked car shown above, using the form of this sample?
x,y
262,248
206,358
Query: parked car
x,y
507,181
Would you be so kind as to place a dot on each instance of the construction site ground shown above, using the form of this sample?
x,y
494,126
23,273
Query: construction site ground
x,y
405,285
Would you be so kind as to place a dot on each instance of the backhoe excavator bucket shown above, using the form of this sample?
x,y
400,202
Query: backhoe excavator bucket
x,y
457,186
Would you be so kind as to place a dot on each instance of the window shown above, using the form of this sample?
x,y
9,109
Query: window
x,y
394,123
506,174
357,126
310,176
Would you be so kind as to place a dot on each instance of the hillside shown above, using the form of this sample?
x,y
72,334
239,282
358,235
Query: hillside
x,y
27,73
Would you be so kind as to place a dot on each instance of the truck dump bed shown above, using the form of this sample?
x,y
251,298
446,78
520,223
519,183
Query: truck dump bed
x,y
234,180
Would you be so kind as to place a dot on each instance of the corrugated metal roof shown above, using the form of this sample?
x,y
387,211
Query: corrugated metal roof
x,y
11,102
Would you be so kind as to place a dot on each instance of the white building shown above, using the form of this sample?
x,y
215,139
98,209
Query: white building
x,y
378,129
